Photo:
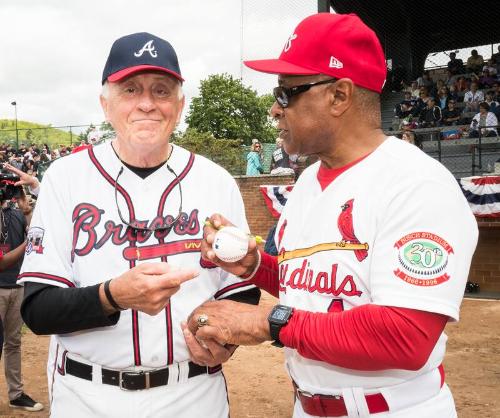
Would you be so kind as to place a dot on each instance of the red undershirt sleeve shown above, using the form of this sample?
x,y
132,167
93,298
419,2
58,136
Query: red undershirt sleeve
x,y
266,276
368,337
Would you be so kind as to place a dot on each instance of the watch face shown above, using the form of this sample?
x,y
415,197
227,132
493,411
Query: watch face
x,y
280,314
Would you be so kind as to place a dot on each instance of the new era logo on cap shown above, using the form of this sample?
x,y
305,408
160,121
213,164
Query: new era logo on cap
x,y
341,46
335,63
140,52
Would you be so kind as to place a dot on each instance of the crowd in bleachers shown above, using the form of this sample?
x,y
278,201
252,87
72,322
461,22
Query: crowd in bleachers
x,y
469,95
29,158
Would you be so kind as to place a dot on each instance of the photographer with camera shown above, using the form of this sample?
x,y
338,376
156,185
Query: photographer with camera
x,y
14,214
24,179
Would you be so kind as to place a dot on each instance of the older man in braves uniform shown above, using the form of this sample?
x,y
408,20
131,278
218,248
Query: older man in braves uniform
x,y
368,272
112,262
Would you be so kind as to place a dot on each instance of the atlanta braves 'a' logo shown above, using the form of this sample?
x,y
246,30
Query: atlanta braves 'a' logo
x,y
148,47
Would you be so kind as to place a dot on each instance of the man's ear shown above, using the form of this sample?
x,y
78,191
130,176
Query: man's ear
x,y
104,105
341,96
181,109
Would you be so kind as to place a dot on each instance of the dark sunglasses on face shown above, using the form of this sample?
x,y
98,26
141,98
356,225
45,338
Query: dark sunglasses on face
x,y
283,94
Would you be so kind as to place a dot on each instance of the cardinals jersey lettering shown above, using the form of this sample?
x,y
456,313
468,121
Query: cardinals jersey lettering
x,y
392,230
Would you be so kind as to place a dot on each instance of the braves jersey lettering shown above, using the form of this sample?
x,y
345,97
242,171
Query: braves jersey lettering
x,y
87,217
86,243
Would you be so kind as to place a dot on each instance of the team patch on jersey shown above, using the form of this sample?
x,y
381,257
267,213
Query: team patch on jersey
x,y
422,258
35,240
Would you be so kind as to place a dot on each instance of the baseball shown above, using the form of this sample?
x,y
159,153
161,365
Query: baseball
x,y
230,244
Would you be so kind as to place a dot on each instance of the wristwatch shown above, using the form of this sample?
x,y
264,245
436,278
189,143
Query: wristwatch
x,y
278,318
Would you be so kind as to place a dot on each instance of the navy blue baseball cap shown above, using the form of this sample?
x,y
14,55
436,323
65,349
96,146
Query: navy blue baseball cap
x,y
140,52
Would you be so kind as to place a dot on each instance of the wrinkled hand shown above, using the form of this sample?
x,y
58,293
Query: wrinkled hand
x,y
242,267
207,352
231,322
24,178
146,287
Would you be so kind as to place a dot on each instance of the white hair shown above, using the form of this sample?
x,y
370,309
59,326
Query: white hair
x,y
105,90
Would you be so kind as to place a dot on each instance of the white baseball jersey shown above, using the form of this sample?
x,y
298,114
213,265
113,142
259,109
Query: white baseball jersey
x,y
394,230
76,239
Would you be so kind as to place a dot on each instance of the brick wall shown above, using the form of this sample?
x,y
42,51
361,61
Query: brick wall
x,y
485,268
259,217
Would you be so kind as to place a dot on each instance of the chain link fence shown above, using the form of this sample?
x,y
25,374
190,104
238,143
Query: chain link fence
x,y
53,136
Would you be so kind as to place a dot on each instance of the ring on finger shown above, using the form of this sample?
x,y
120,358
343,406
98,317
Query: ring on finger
x,y
202,320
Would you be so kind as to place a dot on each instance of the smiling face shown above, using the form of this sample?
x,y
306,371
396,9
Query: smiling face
x,y
144,109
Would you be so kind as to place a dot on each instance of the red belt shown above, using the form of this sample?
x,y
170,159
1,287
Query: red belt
x,y
334,406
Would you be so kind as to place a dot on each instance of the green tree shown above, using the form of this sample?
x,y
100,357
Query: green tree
x,y
228,153
229,110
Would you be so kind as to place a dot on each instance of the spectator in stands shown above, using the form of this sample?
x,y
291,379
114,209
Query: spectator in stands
x,y
485,121
493,104
415,90
422,101
491,67
450,79
496,57
254,163
45,156
431,115
452,94
280,161
475,62
451,115
442,99
406,107
17,161
462,84
425,81
473,97
455,65
486,81
436,87
409,136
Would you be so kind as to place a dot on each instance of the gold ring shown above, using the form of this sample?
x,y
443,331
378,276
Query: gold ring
x,y
202,320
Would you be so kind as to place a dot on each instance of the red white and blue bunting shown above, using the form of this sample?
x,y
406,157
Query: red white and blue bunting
x,y
483,195
275,198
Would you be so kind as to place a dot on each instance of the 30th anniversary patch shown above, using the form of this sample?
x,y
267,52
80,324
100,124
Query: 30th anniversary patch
x,y
423,257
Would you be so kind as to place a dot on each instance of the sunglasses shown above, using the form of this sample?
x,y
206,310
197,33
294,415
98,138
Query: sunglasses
x,y
283,94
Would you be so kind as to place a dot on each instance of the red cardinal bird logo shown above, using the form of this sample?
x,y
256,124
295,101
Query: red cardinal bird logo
x,y
346,228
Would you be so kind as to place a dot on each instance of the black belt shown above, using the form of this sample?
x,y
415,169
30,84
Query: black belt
x,y
133,380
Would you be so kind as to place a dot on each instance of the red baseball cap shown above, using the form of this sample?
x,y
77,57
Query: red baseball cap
x,y
341,46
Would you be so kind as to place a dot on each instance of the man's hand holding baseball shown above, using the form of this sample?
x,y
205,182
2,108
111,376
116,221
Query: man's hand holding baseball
x,y
146,288
243,267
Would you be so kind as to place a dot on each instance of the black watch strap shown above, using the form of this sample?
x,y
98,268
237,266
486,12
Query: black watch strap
x,y
278,318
